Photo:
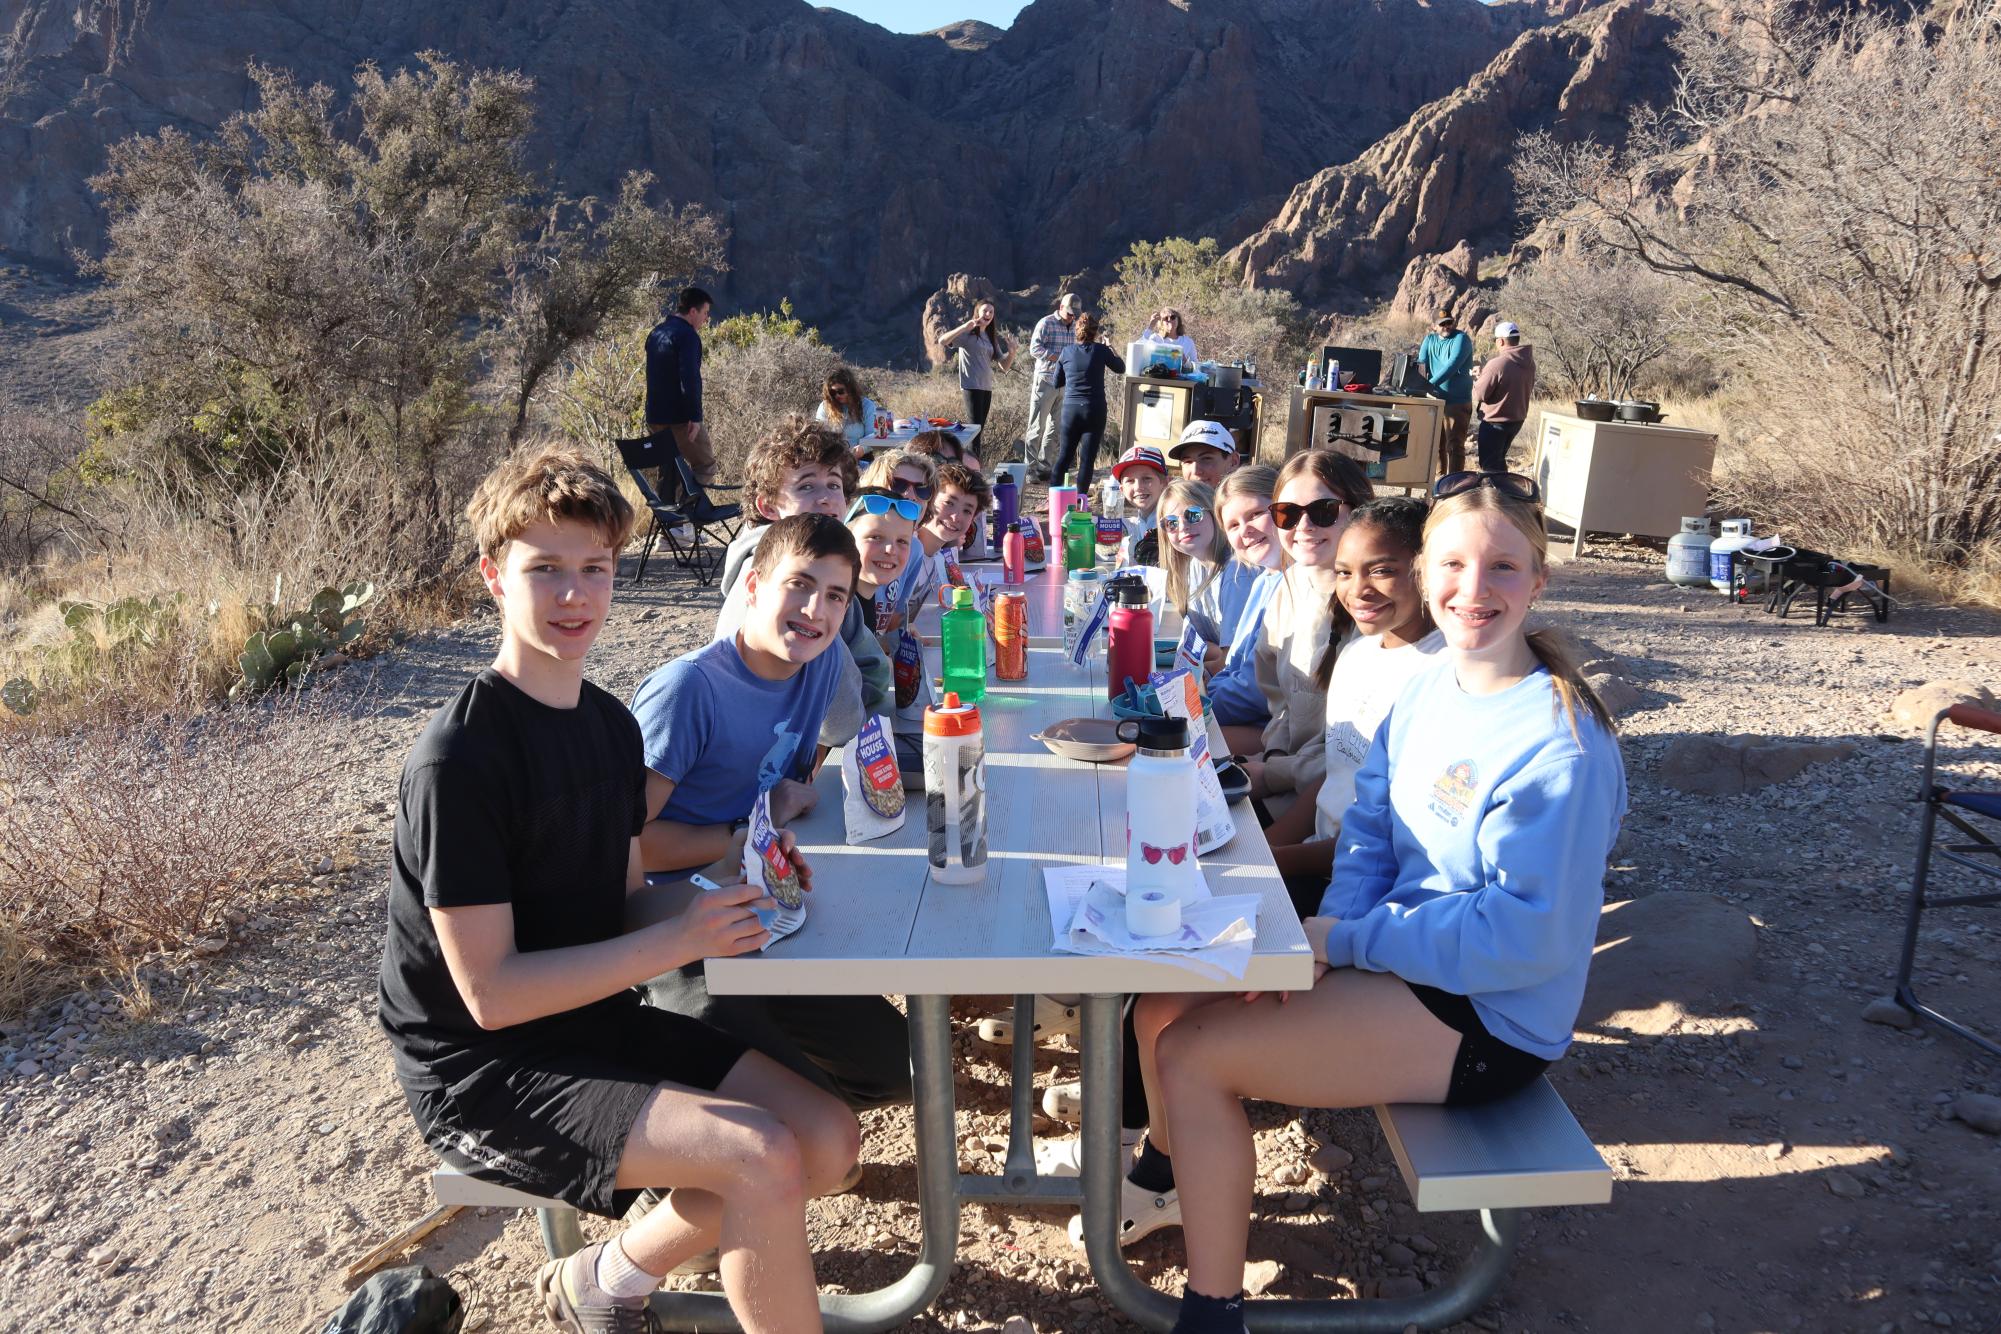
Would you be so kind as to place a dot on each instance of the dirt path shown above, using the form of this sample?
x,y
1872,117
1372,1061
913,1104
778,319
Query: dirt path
x,y
1782,1165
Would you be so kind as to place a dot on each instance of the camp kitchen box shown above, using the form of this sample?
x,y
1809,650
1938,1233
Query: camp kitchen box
x,y
1621,477
1317,412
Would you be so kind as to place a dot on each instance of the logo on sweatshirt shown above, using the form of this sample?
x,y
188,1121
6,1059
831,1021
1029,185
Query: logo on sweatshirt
x,y
1452,794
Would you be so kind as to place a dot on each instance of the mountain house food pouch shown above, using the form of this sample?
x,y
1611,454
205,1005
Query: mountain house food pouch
x,y
871,783
766,866
907,664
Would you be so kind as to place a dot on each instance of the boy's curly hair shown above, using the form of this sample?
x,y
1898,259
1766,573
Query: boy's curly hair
x,y
796,442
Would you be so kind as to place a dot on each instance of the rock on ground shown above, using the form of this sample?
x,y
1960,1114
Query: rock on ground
x,y
1724,766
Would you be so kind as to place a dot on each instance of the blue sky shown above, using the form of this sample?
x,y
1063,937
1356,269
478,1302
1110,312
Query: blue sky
x,y
924,15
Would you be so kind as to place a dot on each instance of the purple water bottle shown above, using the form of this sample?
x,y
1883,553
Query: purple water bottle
x,y
1007,506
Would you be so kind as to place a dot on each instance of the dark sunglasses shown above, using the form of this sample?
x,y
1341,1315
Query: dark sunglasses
x,y
1190,516
905,487
879,505
1322,513
835,391
1511,484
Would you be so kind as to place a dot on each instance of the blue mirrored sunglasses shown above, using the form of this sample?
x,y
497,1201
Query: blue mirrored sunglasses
x,y
1191,516
901,507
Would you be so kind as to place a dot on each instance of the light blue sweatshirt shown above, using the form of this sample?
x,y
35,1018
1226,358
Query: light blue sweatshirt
x,y
1473,859
1234,696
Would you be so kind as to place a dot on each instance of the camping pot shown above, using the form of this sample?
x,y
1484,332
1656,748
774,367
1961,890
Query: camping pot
x,y
1638,410
1227,380
1594,409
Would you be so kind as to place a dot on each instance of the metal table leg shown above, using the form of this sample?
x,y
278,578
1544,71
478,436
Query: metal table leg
x,y
1102,1071
937,1205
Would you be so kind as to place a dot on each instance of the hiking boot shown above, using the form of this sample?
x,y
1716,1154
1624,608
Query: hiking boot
x,y
571,1296
1051,1018
1141,1213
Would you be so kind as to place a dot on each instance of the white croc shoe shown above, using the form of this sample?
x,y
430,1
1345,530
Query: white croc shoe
x,y
1051,1019
1064,1101
1065,1157
1141,1213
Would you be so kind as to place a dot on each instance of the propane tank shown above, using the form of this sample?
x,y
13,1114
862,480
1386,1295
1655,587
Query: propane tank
x,y
1736,533
1688,553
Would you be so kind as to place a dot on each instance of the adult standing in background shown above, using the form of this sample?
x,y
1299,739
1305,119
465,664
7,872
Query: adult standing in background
x,y
1446,357
979,348
1501,394
1166,327
1080,373
1051,335
674,384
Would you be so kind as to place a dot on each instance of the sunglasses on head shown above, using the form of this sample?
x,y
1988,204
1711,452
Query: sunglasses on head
x,y
1322,513
1511,484
1190,516
903,486
879,505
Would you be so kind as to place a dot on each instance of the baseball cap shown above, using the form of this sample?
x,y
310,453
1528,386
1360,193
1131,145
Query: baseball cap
x,y
1139,456
1212,434
1507,329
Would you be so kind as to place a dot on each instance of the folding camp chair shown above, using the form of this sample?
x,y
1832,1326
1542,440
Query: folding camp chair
x,y
680,505
1982,855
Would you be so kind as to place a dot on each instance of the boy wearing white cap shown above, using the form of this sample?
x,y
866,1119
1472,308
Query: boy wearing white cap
x,y
1207,452
1501,396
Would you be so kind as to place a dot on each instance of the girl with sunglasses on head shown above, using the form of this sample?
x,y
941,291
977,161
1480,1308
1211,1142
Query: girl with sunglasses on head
x,y
1243,511
844,407
1452,947
1317,491
1382,637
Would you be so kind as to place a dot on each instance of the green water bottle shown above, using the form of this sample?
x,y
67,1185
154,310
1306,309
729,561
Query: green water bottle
x,y
1080,540
962,643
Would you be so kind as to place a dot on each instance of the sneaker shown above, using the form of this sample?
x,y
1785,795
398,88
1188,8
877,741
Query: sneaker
x,y
1051,1018
571,1297
1141,1213
1064,1101
1065,1157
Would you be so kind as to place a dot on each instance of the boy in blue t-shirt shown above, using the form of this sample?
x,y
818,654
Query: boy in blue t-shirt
x,y
741,716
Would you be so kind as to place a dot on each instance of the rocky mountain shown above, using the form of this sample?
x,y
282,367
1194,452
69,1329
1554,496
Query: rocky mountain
x,y
1426,201
856,167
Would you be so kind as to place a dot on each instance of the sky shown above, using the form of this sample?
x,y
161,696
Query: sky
x,y
924,15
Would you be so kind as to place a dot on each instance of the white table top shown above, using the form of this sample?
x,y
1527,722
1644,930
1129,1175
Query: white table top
x,y
876,925
898,439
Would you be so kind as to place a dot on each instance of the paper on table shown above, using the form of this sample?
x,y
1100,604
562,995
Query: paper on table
x,y
1087,908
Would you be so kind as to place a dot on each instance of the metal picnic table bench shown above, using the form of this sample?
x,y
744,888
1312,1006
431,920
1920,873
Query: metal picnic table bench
x,y
877,925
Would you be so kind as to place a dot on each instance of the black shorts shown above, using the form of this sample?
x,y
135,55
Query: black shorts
x,y
552,1119
1486,1067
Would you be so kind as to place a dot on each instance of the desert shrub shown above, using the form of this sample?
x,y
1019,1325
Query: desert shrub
x,y
41,510
1601,325
138,831
750,384
1836,185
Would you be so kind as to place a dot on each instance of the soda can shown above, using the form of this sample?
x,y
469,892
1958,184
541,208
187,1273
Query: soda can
x,y
1011,636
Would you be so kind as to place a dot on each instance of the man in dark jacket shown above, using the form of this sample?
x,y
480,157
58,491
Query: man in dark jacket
x,y
1501,395
674,383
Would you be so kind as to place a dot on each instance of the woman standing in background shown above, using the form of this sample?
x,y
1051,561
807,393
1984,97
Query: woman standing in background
x,y
1080,374
978,347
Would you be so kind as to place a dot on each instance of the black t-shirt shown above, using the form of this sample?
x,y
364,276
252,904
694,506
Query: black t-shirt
x,y
506,800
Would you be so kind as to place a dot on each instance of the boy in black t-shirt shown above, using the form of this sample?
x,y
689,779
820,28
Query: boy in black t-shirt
x,y
519,927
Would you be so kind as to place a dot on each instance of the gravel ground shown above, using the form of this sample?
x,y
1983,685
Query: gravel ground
x,y
212,1159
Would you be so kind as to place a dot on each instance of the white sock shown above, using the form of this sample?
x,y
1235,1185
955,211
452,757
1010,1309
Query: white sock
x,y
617,1276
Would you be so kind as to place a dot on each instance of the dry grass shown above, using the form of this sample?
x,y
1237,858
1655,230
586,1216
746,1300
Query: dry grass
x,y
134,833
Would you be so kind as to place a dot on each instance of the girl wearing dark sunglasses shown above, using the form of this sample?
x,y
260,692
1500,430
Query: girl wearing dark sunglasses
x,y
1317,491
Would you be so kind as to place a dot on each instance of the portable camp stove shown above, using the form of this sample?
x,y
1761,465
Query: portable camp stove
x,y
1786,574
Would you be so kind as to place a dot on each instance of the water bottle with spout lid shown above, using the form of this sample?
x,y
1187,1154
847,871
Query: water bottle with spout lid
x,y
955,792
1160,811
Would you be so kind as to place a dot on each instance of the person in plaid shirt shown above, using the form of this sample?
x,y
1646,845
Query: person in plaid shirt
x,y
1053,333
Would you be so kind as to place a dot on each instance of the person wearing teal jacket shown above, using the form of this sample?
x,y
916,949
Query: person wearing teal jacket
x,y
1446,356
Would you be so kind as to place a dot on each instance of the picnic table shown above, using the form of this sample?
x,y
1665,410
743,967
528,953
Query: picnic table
x,y
963,432
877,925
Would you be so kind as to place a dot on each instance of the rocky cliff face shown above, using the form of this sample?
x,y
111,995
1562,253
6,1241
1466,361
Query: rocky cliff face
x,y
856,167
1441,180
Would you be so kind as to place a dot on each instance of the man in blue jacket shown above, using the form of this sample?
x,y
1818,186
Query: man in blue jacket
x,y
674,384
1446,357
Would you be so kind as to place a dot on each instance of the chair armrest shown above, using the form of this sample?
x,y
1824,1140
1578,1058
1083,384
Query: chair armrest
x,y
1972,715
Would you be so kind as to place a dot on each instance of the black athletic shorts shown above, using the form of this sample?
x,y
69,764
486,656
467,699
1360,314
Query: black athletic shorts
x,y
553,1119
1486,1067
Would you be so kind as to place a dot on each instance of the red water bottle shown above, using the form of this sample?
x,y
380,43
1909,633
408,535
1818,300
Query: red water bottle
x,y
1131,635
1014,554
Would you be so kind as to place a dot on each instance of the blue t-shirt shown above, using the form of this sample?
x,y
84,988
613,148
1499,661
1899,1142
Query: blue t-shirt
x,y
1473,857
723,734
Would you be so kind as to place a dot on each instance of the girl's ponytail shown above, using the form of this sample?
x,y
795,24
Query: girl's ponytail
x,y
1573,693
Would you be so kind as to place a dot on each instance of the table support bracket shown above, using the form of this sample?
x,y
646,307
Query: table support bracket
x,y
1102,1072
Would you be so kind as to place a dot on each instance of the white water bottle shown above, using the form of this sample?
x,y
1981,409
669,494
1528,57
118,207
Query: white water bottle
x,y
1160,811
955,792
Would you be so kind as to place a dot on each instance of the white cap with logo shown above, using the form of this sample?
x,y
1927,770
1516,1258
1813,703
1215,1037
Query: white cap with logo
x,y
1213,435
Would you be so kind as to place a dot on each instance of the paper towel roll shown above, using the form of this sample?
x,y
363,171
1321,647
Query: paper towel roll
x,y
1153,912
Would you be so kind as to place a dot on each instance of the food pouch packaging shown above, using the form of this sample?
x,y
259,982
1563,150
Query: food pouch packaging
x,y
871,783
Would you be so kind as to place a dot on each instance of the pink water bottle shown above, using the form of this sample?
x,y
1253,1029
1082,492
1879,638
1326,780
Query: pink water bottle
x,y
1014,554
